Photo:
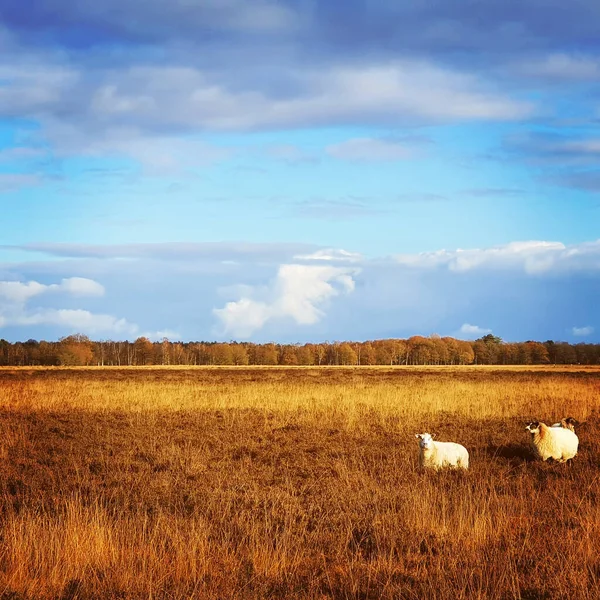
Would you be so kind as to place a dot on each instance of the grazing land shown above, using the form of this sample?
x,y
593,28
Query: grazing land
x,y
294,483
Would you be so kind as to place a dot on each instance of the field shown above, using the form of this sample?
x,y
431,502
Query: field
x,y
293,483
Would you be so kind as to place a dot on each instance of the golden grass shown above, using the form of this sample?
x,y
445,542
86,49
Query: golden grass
x,y
293,483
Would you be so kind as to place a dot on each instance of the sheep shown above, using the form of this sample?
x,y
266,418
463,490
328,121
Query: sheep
x,y
559,443
437,455
567,423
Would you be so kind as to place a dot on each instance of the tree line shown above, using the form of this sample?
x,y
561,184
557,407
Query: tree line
x,y
79,350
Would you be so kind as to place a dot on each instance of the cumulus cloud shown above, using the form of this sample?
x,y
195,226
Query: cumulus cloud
x,y
582,331
15,312
17,291
473,331
79,286
532,257
331,254
299,292
76,320
243,317
161,334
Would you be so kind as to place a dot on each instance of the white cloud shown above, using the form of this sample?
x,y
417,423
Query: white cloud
x,y
157,336
534,257
299,292
371,150
582,331
186,96
303,288
81,286
331,254
244,317
16,291
473,331
76,320
143,111
292,293
14,296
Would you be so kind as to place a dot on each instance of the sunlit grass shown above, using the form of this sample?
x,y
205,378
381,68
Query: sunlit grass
x,y
293,483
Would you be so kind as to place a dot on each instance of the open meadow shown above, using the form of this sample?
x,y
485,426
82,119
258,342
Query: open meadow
x,y
294,483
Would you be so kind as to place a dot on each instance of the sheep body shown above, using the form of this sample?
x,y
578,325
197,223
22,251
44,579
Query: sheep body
x,y
439,455
559,443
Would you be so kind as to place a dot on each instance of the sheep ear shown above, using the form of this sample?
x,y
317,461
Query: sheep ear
x,y
418,436
433,436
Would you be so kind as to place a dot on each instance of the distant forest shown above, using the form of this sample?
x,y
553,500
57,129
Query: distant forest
x,y
79,350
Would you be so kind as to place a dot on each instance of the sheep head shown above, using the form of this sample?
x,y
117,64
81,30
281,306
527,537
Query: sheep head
x,y
533,427
425,440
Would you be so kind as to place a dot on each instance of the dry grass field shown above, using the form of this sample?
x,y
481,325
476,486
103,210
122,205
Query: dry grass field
x,y
293,483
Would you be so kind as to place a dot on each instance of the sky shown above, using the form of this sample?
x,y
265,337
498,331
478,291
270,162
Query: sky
x,y
294,171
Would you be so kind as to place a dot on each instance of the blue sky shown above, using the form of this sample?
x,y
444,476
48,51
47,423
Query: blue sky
x,y
299,171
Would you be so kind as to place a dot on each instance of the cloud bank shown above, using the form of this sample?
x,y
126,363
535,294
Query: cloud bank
x,y
295,293
531,256
15,312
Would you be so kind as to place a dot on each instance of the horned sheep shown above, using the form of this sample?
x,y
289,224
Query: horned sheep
x,y
438,455
559,443
567,423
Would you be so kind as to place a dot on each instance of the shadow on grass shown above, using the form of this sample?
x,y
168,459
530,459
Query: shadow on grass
x,y
515,453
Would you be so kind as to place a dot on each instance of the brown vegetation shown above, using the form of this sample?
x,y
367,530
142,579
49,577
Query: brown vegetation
x,y
293,483
79,350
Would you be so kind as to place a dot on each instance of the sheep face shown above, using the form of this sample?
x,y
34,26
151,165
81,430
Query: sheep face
x,y
425,440
533,427
567,423
570,422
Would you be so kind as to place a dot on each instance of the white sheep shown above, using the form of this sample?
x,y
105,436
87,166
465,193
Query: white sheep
x,y
437,455
567,423
559,443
